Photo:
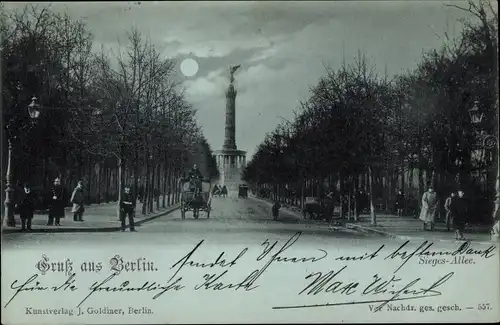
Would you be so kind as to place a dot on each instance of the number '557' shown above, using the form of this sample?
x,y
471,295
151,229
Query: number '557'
x,y
483,307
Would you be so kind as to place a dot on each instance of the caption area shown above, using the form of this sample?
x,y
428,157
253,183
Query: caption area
x,y
439,308
386,291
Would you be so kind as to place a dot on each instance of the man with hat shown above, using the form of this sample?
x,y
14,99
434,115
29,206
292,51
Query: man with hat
x,y
26,207
195,178
459,210
127,207
56,210
447,208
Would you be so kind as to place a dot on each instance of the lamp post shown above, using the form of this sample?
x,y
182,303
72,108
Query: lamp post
x,y
34,113
34,110
490,142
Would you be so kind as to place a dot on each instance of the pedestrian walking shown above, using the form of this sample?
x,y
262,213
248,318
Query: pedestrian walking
x,y
276,210
447,208
429,208
400,201
57,203
26,207
127,208
459,211
77,199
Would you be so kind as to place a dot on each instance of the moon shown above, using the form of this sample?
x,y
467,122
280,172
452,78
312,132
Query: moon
x,y
189,67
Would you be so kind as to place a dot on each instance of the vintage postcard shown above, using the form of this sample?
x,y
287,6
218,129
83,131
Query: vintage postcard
x,y
250,162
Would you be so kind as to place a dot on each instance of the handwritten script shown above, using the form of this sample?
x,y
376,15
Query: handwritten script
x,y
245,270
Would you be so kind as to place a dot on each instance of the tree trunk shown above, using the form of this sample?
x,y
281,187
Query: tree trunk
x,y
175,180
98,181
420,184
146,190
373,216
349,190
158,186
356,199
178,190
165,184
302,191
151,189
120,181
170,197
104,181
341,191
136,175
173,186
402,175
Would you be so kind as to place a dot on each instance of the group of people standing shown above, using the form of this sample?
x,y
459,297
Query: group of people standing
x,y
220,190
456,208
27,199
26,202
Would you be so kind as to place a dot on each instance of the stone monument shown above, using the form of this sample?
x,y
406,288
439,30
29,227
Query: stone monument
x,y
230,160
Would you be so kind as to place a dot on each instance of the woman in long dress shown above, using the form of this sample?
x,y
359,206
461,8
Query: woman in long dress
x,y
429,209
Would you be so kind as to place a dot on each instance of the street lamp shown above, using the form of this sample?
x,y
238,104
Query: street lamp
x,y
34,113
490,142
476,116
34,108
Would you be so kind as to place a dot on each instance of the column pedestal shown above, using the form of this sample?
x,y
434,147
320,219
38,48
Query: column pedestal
x,y
230,164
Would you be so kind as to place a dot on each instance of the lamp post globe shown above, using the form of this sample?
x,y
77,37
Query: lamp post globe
x,y
34,109
9,204
475,114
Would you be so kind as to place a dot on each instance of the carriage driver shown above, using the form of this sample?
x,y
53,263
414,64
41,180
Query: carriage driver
x,y
195,174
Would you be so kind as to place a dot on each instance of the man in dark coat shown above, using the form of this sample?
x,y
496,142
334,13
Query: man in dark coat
x,y
276,210
447,208
26,207
459,210
195,172
57,203
400,201
195,178
127,208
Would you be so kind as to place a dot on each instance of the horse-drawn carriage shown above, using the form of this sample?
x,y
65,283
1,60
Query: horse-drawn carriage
x,y
319,208
195,197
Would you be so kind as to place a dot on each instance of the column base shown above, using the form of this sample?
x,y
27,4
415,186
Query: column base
x,y
11,222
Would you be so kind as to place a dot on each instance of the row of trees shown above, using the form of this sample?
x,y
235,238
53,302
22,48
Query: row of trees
x,y
362,131
109,117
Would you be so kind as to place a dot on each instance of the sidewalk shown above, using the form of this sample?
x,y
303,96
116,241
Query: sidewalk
x,y
291,211
403,228
295,213
410,228
97,218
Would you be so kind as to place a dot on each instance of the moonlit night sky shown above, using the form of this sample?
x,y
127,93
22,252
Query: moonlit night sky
x,y
283,48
